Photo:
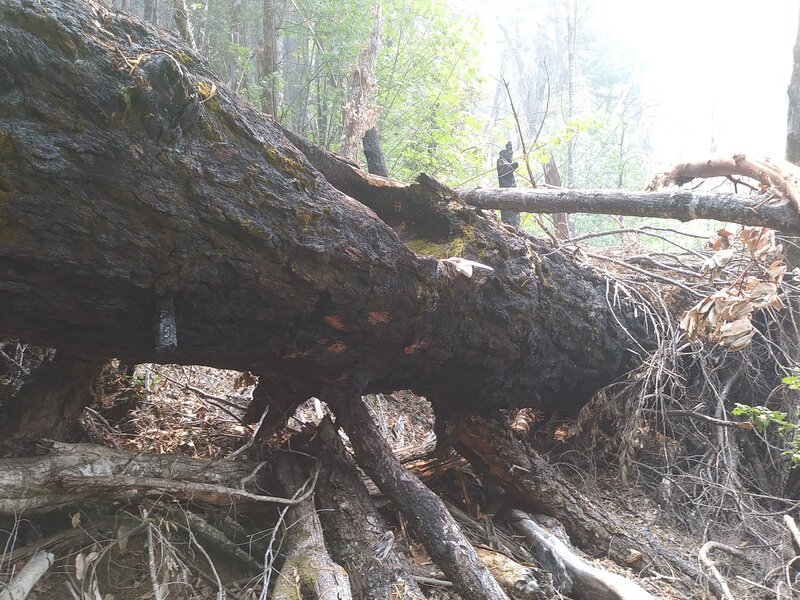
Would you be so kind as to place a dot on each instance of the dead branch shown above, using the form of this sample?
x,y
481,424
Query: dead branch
x,y
589,582
39,483
437,530
704,558
23,582
683,205
352,524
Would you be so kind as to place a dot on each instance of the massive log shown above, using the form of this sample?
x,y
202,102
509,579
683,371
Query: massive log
x,y
136,190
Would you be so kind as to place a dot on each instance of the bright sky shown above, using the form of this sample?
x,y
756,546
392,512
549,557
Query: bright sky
x,y
711,69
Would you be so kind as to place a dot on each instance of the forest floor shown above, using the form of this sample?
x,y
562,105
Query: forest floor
x,y
195,411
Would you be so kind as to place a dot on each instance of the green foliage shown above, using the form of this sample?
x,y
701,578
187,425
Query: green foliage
x,y
428,82
792,381
765,419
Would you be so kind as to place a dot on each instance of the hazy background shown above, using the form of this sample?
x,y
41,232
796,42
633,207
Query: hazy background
x,y
712,74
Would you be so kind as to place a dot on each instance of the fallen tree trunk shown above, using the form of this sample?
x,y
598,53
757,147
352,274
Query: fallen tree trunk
x,y
147,210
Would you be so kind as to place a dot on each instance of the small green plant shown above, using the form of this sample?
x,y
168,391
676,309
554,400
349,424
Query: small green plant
x,y
764,418
792,381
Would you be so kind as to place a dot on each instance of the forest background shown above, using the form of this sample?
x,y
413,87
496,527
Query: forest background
x,y
615,91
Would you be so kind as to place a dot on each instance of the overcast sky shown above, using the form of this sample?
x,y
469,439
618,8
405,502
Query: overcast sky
x,y
714,72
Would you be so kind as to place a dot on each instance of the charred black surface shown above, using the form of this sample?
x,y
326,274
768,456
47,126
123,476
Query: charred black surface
x,y
128,173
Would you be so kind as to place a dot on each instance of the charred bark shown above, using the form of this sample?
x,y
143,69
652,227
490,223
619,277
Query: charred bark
x,y
128,173
352,524
435,527
51,399
376,164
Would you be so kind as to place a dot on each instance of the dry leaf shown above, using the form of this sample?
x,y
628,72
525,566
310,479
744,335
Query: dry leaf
x,y
123,535
80,566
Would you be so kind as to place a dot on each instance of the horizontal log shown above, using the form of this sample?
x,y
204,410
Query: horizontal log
x,y
72,473
683,205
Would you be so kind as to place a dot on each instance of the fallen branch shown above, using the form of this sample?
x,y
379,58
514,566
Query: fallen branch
x,y
683,205
352,524
589,582
23,582
704,558
59,477
431,521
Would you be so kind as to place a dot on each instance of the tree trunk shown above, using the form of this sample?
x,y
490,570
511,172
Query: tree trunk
x,y
267,62
553,178
181,15
793,126
359,111
164,188
376,164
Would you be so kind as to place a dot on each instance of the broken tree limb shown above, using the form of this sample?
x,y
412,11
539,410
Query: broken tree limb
x,y
23,581
308,571
429,518
589,582
776,177
353,525
709,564
72,473
683,205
